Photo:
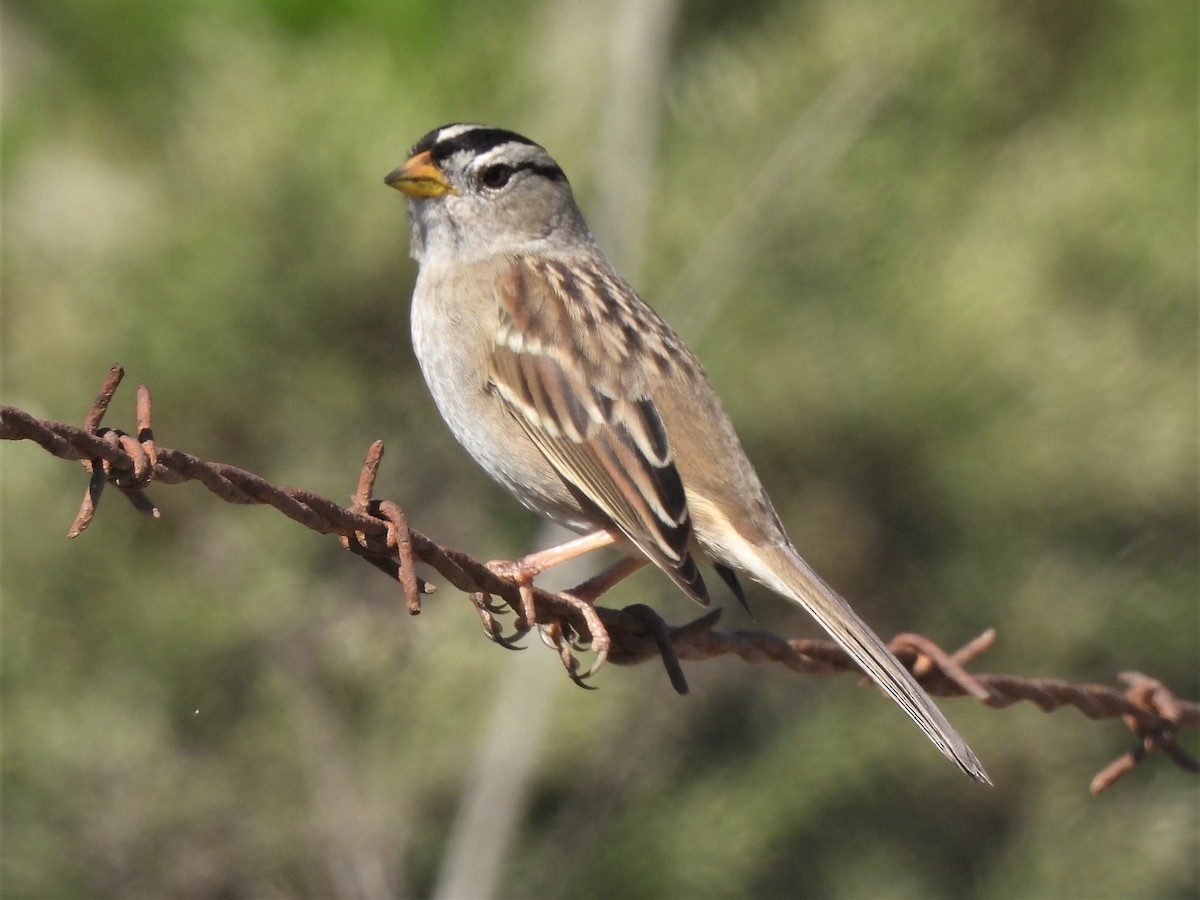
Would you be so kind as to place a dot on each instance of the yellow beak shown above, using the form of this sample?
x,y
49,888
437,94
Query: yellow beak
x,y
419,177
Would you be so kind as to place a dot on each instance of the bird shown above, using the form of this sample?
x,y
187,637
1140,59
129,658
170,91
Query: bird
x,y
579,399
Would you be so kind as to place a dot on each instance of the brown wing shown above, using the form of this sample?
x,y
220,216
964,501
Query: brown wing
x,y
586,411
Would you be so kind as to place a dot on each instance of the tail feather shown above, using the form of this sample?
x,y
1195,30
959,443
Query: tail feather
x,y
784,571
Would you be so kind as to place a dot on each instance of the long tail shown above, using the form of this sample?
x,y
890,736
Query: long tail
x,y
782,570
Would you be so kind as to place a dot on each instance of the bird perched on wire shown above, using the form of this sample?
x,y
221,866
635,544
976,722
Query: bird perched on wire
x,y
578,398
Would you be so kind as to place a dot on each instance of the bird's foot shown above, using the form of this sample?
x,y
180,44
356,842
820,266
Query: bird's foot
x,y
561,637
491,625
599,642
521,573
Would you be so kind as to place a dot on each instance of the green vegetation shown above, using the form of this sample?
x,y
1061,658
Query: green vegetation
x,y
940,258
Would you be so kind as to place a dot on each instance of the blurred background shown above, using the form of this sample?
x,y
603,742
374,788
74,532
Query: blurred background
x,y
940,259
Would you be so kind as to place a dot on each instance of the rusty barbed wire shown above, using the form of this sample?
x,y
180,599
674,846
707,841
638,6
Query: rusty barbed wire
x,y
379,532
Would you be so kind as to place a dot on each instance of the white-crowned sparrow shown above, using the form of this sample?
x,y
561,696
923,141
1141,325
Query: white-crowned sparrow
x,y
577,397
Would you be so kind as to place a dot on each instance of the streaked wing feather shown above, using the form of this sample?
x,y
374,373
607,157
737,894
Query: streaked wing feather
x,y
612,449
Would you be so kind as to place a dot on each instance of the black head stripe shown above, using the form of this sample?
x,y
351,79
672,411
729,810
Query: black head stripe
x,y
425,143
475,141
479,139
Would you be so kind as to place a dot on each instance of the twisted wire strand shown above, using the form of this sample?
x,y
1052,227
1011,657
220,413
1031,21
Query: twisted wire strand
x,y
379,532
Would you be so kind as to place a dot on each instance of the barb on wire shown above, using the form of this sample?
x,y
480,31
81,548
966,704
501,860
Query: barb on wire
x,y
379,532
128,474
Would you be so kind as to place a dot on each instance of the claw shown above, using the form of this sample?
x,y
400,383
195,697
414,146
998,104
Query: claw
x,y
486,609
571,664
495,609
597,665
576,640
551,636
509,642
579,680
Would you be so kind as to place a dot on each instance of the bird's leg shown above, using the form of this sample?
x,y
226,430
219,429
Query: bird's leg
x,y
529,567
591,590
521,572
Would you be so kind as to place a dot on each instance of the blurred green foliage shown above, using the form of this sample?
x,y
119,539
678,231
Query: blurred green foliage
x,y
956,326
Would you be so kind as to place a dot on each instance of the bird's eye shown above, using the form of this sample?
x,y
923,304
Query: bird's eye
x,y
496,176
